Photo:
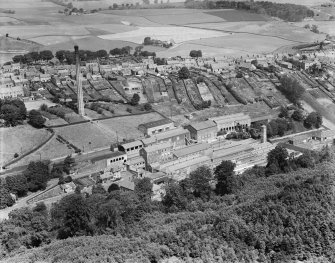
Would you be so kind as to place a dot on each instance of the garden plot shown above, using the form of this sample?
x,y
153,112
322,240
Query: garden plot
x,y
118,86
170,90
193,93
215,91
147,88
99,84
153,89
86,86
177,34
181,95
204,92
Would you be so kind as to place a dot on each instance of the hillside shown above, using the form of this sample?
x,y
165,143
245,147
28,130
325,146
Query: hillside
x,y
281,218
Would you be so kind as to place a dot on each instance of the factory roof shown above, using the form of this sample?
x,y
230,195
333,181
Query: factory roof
x,y
131,144
230,118
158,146
156,123
107,156
203,125
194,148
188,163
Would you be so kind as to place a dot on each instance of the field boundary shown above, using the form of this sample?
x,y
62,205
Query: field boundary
x,y
31,151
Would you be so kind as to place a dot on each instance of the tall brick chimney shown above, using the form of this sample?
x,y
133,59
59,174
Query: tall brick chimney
x,y
80,98
264,134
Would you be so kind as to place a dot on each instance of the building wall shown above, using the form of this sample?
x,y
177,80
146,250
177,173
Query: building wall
x,y
157,129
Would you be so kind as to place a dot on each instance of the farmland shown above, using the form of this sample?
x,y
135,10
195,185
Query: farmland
x,y
19,140
215,32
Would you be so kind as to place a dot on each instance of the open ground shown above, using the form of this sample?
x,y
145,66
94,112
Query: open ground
x,y
41,23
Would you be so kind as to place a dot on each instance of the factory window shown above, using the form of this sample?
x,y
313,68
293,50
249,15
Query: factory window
x,y
132,148
136,147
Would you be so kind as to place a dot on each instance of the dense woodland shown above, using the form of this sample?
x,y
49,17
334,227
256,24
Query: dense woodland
x,y
287,12
278,213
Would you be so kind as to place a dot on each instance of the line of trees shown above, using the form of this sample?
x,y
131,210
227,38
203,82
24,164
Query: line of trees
x,y
12,111
208,217
287,12
33,56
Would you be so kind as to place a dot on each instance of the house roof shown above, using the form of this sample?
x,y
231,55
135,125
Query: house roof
x,y
203,125
194,148
156,123
107,156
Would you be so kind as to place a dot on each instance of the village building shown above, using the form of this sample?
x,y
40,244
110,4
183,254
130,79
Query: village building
x,y
11,92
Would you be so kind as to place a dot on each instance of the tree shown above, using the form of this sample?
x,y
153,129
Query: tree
x,y
17,184
174,197
143,189
200,181
195,53
297,115
313,119
5,197
135,99
147,107
102,53
278,157
37,174
113,187
73,214
68,163
315,29
46,55
10,114
184,73
291,88
98,189
283,112
224,174
147,41
36,119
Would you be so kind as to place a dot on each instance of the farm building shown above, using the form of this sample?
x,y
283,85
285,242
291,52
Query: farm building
x,y
232,122
203,131
155,127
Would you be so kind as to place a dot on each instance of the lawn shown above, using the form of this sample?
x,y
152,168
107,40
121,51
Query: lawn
x,y
232,15
127,127
84,134
19,139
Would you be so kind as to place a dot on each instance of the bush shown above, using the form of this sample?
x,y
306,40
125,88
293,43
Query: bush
x,y
147,106
16,155
129,110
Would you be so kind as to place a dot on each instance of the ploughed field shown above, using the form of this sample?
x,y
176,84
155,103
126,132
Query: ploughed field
x,y
216,32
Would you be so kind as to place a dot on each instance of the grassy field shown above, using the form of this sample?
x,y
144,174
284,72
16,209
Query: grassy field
x,y
231,15
127,127
178,34
19,139
84,135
